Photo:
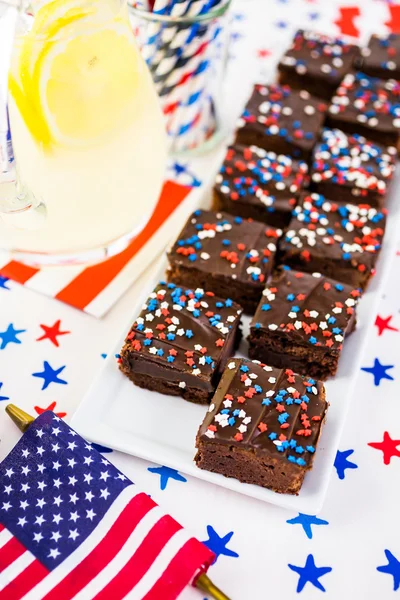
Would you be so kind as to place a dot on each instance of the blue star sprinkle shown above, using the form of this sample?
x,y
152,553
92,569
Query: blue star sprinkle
x,y
50,375
3,282
306,521
218,544
9,336
3,397
378,371
392,568
310,573
341,462
166,474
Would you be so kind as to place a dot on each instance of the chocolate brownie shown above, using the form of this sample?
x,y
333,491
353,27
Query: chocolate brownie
x,y
382,56
281,120
368,106
261,185
263,426
342,241
301,322
349,168
228,255
317,63
180,342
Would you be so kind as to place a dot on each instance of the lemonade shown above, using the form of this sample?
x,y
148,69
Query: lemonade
x,y
87,129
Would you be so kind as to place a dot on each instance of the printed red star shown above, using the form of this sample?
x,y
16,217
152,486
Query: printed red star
x,y
345,21
51,333
388,447
51,406
394,22
263,53
383,324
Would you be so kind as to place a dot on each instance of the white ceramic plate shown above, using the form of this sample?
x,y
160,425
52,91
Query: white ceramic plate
x,y
162,429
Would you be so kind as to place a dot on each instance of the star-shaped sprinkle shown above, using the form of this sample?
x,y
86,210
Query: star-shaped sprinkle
x,y
3,282
50,375
3,397
341,462
51,407
388,446
166,474
218,544
384,324
51,332
379,371
9,336
392,568
306,521
310,573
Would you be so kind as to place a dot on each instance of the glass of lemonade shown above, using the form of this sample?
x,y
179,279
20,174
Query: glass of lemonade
x,y
87,132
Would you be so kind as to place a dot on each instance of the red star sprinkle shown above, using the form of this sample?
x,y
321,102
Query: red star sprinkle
x,y
388,447
383,324
51,406
51,333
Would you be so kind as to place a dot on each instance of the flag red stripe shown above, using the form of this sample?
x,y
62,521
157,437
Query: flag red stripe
x,y
86,286
10,552
183,567
105,551
21,585
140,562
1,527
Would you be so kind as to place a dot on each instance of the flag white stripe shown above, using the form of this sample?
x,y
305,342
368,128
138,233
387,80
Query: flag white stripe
x,y
174,544
5,536
15,568
119,561
53,578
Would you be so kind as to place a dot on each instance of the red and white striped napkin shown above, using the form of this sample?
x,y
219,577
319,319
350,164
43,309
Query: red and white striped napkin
x,y
96,288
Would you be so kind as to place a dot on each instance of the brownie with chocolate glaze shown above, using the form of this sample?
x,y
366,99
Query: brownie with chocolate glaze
x,y
180,342
260,185
316,63
227,255
350,168
301,322
281,120
381,58
340,240
263,426
367,106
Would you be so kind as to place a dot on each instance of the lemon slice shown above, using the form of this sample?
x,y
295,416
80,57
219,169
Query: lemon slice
x,y
85,86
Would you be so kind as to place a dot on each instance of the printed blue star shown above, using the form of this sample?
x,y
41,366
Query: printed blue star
x,y
341,462
281,25
3,282
181,169
306,521
392,568
3,397
218,544
379,371
50,375
310,573
166,473
313,16
9,336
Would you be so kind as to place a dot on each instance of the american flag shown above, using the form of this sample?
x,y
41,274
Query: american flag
x,y
73,526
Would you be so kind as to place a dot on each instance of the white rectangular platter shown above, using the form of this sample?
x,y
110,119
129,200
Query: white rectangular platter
x,y
162,429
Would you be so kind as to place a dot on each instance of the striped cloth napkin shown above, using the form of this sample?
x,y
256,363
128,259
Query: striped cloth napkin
x,y
96,288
